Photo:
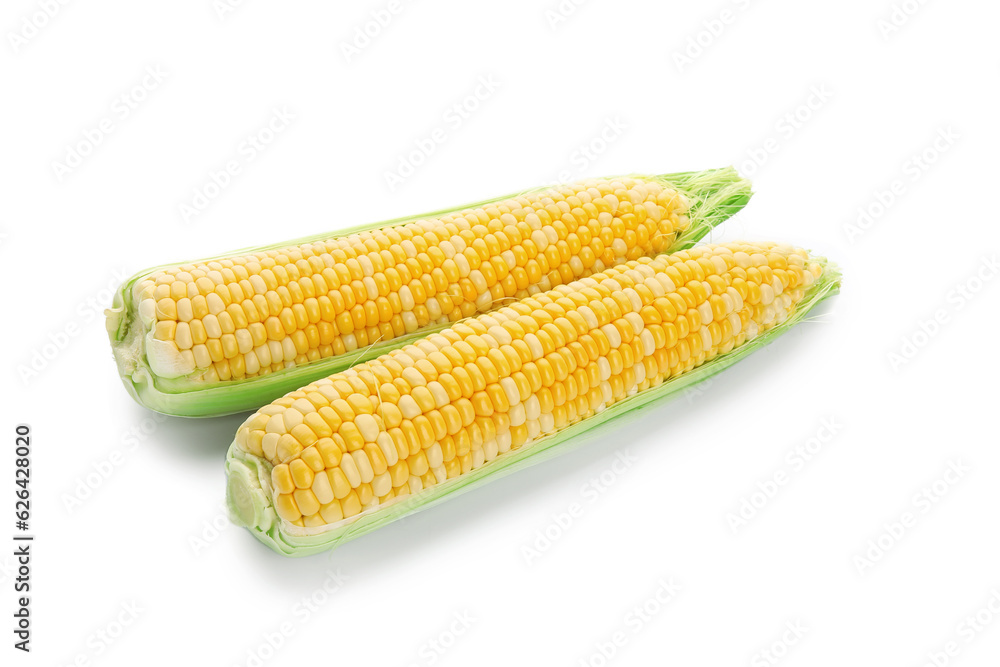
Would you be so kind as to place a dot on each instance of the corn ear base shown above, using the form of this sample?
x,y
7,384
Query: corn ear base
x,y
249,477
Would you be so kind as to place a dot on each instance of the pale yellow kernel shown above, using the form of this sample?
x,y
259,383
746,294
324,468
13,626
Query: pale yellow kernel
x,y
285,506
165,330
212,328
367,426
322,489
281,479
364,466
351,505
415,484
288,447
269,445
184,310
388,448
306,501
350,470
182,336
331,512
215,303
339,483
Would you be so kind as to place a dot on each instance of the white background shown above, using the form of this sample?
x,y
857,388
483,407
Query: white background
x,y
151,534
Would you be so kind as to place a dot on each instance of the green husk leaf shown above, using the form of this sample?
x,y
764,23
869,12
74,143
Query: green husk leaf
x,y
715,195
249,477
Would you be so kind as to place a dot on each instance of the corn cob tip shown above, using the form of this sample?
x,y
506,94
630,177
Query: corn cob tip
x,y
239,502
246,496
239,498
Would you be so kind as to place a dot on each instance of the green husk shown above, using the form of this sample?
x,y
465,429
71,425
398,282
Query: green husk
x,y
249,477
716,195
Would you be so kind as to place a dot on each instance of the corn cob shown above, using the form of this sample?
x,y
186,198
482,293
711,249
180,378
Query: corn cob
x,y
229,333
341,456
